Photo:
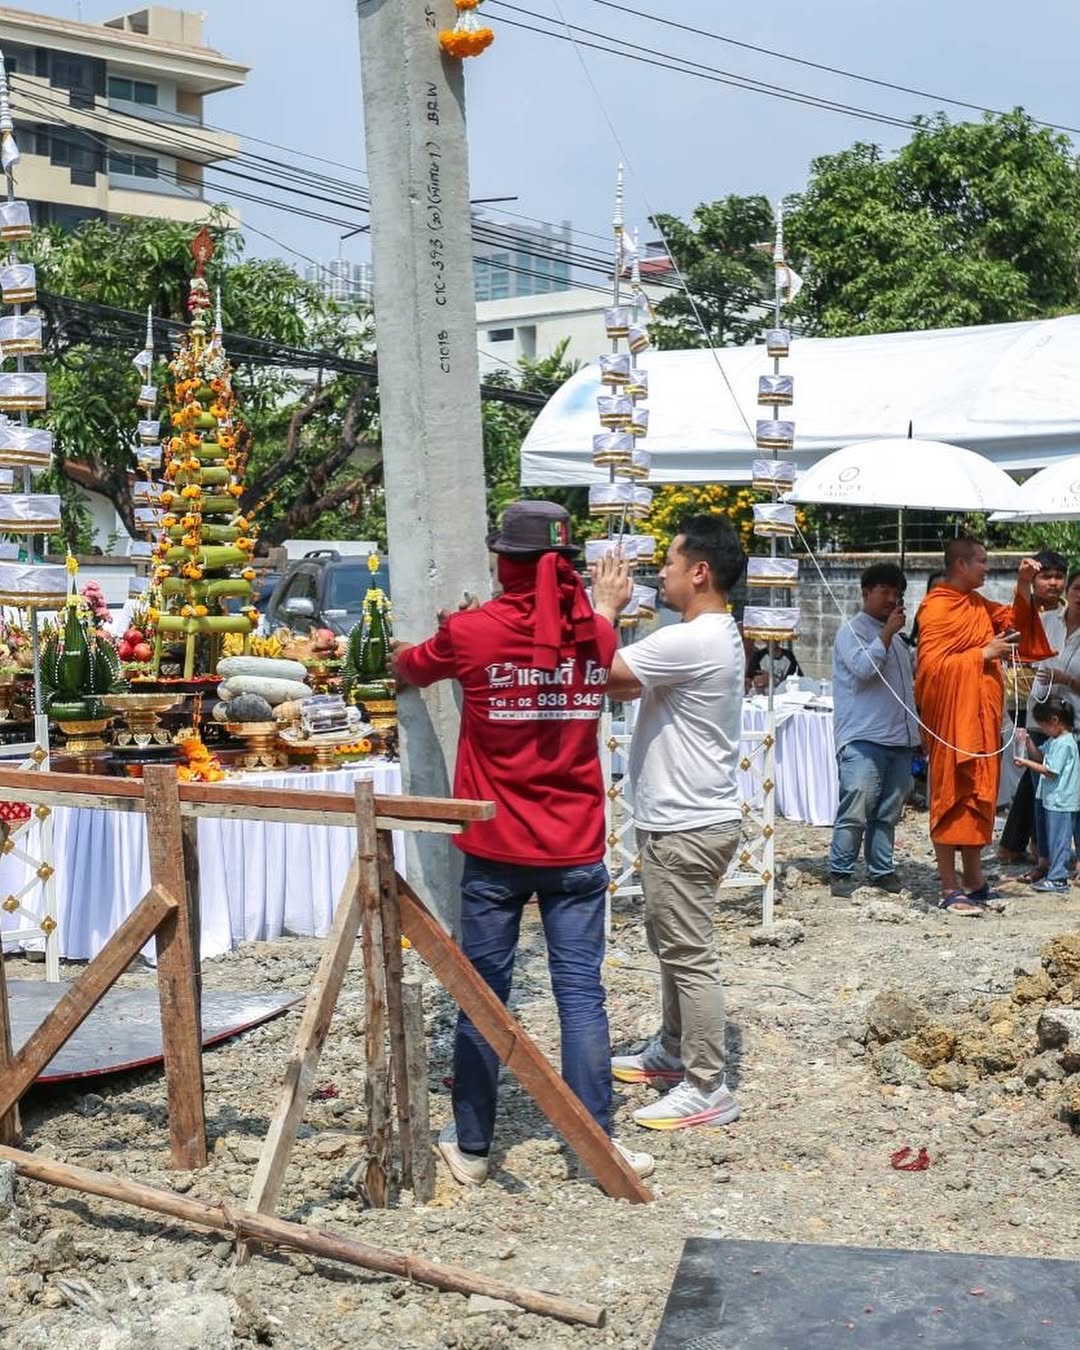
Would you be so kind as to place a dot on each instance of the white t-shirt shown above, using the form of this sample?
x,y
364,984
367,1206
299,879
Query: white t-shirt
x,y
684,754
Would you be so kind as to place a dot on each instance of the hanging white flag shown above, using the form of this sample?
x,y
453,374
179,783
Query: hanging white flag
x,y
790,281
9,151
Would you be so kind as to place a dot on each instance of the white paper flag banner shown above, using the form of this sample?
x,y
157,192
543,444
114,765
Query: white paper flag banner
x,y
644,546
29,514
637,337
137,587
615,369
147,494
7,480
639,422
642,502
617,320
9,151
30,446
611,499
768,474
148,456
776,389
638,467
142,361
774,518
777,342
768,623
615,410
772,572
20,335
595,549
18,283
33,587
772,435
147,517
23,391
637,386
645,596
147,396
612,447
140,548
15,220
149,431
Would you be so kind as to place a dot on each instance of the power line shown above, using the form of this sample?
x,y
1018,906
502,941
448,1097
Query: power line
x,y
817,65
681,65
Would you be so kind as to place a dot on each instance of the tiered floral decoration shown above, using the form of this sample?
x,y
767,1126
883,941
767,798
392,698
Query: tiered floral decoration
x,y
468,37
203,555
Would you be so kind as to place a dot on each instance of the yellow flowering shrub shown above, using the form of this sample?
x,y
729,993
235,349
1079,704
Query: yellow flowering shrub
x,y
674,502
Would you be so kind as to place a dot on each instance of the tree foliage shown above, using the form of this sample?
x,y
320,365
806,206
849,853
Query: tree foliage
x,y
969,223
727,272
316,457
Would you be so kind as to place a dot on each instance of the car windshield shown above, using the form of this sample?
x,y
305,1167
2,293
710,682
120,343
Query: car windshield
x,y
347,585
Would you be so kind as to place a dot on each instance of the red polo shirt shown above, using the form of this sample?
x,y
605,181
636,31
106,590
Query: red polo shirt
x,y
528,737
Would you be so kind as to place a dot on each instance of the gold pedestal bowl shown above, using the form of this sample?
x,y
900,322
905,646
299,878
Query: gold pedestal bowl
x,y
142,729
262,744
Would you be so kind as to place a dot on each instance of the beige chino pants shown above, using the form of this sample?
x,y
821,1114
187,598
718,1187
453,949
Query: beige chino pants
x,y
680,872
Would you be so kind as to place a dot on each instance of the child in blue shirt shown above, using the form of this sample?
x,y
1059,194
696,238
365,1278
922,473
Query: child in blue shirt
x,y
1057,769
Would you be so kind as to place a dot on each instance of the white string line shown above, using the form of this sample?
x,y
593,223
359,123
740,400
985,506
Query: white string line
x,y
652,213
911,712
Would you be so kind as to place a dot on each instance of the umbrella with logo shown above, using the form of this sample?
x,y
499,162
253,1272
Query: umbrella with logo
x,y
908,474
1051,494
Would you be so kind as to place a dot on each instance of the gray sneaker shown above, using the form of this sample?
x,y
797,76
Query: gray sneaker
x,y
651,1064
687,1105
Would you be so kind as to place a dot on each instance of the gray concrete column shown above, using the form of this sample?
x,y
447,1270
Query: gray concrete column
x,y
425,330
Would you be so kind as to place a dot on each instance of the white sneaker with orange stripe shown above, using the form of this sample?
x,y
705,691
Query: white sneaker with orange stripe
x,y
686,1105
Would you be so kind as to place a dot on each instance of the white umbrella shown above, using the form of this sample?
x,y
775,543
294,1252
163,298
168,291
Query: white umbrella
x,y
1051,494
910,475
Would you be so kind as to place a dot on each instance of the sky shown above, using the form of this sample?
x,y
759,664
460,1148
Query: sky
x,y
539,125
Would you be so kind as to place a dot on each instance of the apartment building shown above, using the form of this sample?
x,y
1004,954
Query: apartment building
x,y
110,116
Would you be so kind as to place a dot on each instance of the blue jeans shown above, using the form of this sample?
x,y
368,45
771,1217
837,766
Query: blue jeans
x,y
874,784
493,896
1054,831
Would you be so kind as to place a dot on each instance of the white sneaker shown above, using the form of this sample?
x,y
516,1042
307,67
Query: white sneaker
x,y
644,1164
687,1105
470,1169
652,1064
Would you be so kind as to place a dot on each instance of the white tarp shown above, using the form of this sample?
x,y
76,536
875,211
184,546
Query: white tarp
x,y
1009,391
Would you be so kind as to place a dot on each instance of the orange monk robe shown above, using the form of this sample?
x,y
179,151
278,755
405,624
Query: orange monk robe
x,y
960,698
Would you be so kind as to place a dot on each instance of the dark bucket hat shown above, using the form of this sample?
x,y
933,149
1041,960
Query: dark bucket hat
x,y
533,527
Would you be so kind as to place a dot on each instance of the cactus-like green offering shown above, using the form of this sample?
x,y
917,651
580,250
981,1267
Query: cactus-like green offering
x,y
78,665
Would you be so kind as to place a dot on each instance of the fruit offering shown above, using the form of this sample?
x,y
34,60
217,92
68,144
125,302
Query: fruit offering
x,y
203,555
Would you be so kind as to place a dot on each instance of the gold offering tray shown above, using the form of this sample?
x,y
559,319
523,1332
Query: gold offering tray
x,y
142,728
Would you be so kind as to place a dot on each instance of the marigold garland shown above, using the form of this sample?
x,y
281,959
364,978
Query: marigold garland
x,y
468,37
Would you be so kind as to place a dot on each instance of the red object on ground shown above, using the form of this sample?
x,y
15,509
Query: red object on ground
x,y
903,1160
325,1093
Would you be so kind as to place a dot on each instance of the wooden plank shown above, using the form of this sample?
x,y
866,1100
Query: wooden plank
x,y
82,997
345,820
101,792
391,935
508,1038
416,1072
376,1089
10,1130
177,972
304,1061
279,1232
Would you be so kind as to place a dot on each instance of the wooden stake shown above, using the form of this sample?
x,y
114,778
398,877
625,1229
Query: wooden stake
x,y
510,1041
376,1092
82,997
10,1131
177,972
311,1036
423,1158
391,932
278,1232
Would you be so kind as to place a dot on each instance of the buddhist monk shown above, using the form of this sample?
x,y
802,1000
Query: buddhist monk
x,y
959,690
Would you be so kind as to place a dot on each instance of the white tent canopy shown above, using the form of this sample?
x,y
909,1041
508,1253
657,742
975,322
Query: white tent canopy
x,y
1009,391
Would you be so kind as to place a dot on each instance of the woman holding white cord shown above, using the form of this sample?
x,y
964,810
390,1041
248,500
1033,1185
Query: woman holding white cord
x,y
1060,675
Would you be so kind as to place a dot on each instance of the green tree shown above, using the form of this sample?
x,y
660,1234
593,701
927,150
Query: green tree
x,y
315,458
969,223
725,258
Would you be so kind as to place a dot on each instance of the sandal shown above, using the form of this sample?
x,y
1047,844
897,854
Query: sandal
x,y
1036,874
983,898
957,902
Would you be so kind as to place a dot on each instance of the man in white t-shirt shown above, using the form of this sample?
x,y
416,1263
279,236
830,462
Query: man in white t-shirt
x,y
683,776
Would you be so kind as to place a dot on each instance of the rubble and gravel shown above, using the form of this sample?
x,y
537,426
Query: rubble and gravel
x,y
877,1031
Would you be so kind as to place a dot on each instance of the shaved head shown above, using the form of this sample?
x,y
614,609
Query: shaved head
x,y
962,549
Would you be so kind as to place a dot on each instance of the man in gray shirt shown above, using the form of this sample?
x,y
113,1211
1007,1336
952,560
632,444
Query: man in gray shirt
x,y
875,730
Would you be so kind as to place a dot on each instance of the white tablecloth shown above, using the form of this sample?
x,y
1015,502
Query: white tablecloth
x,y
256,880
807,788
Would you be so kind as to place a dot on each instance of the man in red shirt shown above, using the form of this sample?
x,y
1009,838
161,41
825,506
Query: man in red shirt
x,y
533,665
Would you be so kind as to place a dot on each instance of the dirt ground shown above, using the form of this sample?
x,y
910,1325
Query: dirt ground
x,y
825,1103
